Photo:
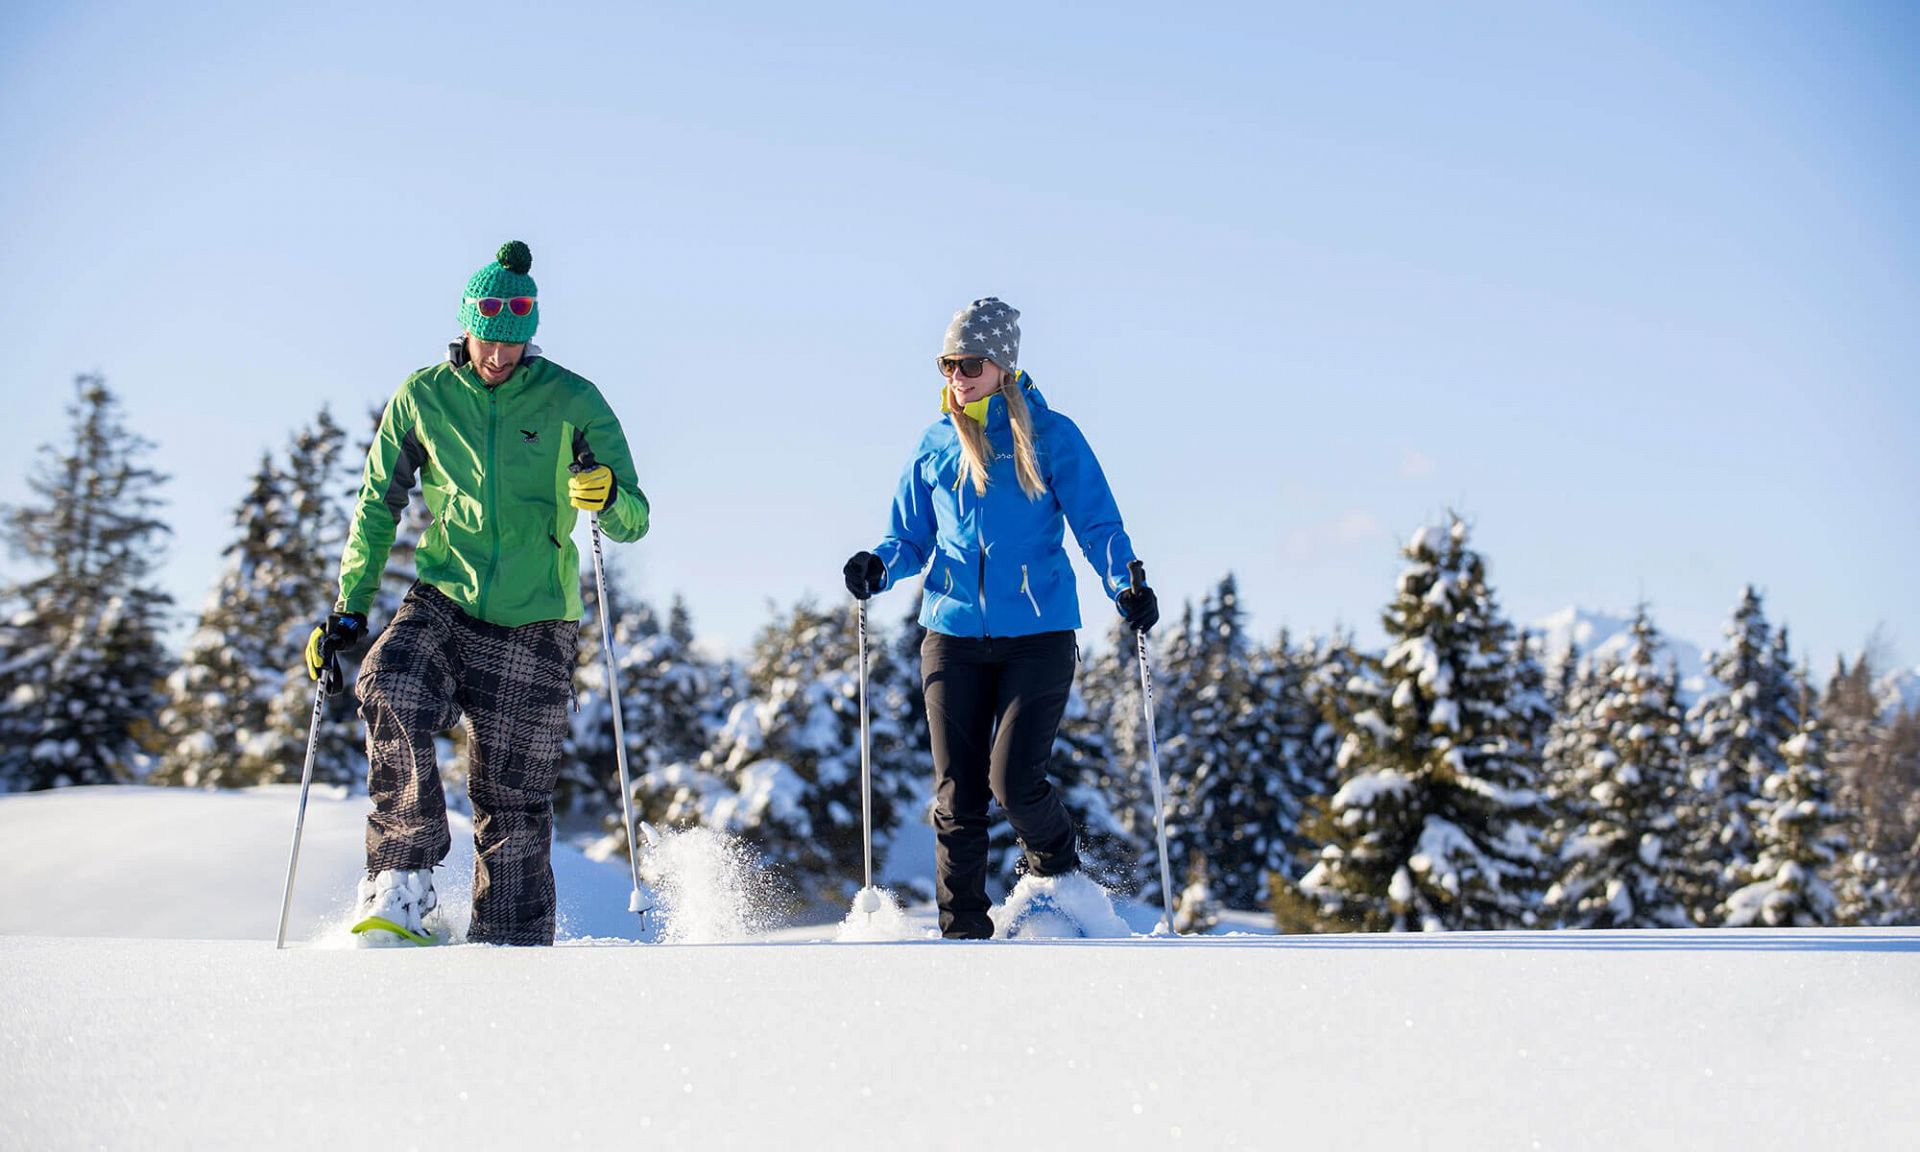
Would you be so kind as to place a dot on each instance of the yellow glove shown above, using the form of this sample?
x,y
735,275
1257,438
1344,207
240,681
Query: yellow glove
x,y
340,632
592,489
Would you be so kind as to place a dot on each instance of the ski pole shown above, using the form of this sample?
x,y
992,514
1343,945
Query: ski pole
x,y
1137,579
869,899
636,903
329,686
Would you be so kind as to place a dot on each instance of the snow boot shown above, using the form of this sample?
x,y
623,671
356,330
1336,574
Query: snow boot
x,y
396,908
1064,907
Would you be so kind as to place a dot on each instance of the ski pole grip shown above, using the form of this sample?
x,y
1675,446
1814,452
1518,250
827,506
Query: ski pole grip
x,y
583,462
1136,575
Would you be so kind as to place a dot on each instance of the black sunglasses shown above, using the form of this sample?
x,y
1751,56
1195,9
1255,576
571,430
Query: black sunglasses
x,y
969,366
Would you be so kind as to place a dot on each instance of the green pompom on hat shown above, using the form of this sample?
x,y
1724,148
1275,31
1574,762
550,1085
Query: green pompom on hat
x,y
504,277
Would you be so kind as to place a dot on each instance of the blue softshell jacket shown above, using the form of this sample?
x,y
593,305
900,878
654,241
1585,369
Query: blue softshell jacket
x,y
995,565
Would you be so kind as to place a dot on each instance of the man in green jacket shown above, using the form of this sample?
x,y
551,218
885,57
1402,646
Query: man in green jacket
x,y
508,448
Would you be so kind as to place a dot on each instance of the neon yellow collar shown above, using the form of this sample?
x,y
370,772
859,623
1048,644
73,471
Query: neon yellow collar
x,y
977,409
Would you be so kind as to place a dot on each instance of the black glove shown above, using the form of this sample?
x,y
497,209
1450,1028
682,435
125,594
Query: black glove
x,y
865,574
342,632
1139,607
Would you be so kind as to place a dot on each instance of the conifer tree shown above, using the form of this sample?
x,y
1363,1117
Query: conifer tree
x,y
216,728
81,662
1226,763
1623,752
315,463
1871,795
1303,748
1788,884
240,704
672,700
789,755
1112,713
589,771
1328,669
1902,763
1575,737
1196,911
1438,819
1737,728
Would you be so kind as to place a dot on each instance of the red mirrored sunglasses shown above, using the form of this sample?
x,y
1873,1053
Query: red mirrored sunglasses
x,y
489,306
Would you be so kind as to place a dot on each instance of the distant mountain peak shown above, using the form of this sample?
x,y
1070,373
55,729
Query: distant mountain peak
x,y
1899,689
1607,636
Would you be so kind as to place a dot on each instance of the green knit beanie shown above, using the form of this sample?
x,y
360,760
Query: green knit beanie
x,y
503,279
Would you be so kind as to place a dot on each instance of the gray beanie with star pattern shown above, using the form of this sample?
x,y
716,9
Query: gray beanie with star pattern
x,y
985,328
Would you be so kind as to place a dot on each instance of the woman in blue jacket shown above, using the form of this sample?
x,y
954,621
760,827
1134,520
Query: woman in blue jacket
x,y
982,507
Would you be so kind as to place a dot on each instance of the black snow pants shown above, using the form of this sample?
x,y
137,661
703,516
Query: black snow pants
x,y
993,706
432,665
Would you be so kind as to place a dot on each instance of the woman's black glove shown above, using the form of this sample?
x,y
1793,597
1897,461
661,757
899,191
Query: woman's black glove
x,y
866,574
1139,607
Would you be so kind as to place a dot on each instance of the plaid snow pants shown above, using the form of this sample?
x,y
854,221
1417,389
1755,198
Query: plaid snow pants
x,y
433,664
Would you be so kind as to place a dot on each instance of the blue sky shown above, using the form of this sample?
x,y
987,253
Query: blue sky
x,y
1633,286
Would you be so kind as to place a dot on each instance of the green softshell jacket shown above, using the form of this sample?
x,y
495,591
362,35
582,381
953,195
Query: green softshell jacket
x,y
492,463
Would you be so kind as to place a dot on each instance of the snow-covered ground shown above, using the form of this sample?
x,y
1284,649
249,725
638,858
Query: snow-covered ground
x,y
111,1036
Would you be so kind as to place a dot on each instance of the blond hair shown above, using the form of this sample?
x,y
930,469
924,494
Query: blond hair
x,y
973,439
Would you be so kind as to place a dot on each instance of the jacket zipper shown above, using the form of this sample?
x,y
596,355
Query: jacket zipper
x,y
980,531
1029,591
493,504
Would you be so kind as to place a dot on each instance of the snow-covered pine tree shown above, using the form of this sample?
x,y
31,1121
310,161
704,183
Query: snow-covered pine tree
x,y
1871,803
1529,727
82,667
1226,766
1196,911
789,756
672,705
906,658
1797,841
1108,687
1348,694
1283,691
216,728
1338,676
1622,751
1565,675
1902,754
314,467
1576,736
1309,688
1438,822
589,770
1174,652
915,764
1737,728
